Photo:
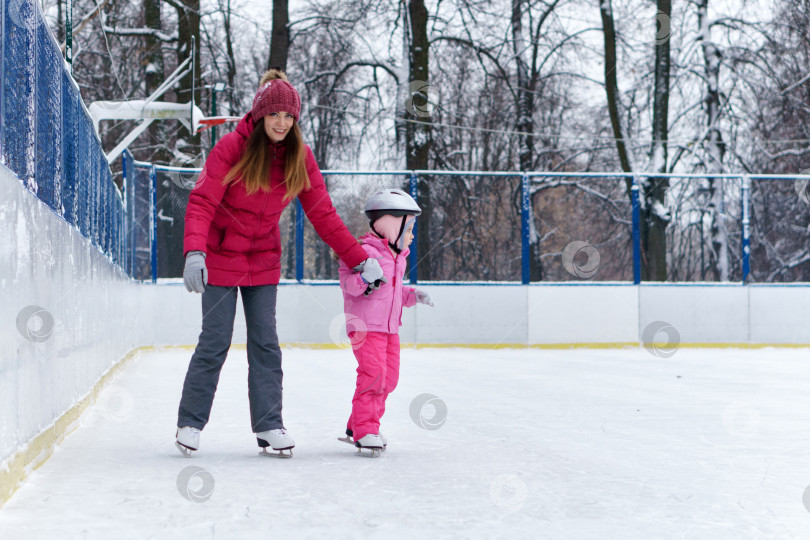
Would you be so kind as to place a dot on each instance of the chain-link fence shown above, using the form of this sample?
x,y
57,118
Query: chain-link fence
x,y
46,135
512,227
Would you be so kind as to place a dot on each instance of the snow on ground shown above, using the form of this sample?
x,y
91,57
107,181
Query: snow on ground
x,y
535,444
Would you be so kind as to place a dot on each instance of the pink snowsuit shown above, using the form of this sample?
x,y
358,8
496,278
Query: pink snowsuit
x,y
372,323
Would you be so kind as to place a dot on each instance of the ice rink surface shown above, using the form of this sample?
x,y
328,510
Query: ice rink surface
x,y
534,444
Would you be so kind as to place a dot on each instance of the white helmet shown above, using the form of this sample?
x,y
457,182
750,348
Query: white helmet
x,y
393,202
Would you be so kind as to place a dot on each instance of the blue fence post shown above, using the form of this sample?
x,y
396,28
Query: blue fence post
x,y
413,273
153,220
299,241
746,218
525,217
634,193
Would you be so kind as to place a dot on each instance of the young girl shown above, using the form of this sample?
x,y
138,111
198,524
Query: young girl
x,y
373,320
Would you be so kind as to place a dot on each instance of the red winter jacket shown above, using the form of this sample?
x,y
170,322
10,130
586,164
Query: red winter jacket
x,y
239,232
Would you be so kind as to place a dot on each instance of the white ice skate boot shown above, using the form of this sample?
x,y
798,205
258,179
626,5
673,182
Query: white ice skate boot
x,y
188,440
278,440
349,439
371,442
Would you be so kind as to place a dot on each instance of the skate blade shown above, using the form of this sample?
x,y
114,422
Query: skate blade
x,y
346,439
185,450
285,453
370,452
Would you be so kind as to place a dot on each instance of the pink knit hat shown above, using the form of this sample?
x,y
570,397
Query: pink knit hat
x,y
275,94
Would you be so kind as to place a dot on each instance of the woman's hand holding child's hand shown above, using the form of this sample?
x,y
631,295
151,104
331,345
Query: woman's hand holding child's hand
x,y
371,271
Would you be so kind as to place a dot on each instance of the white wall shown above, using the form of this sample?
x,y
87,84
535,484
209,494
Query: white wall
x,y
96,314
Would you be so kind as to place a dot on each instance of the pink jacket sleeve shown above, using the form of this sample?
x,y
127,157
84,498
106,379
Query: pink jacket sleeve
x,y
408,297
350,281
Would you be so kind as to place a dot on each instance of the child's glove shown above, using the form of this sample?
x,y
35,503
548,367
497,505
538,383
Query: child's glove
x,y
422,297
195,274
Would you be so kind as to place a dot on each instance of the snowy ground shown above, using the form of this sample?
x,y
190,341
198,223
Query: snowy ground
x,y
535,444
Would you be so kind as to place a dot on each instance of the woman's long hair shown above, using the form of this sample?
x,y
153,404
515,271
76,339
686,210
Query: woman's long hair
x,y
253,168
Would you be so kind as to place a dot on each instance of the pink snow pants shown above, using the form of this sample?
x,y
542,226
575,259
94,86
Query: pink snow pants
x,y
377,356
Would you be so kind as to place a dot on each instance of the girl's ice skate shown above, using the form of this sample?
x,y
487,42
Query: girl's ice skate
x,y
278,440
349,439
371,442
188,440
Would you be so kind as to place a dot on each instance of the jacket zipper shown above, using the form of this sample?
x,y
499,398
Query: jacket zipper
x,y
253,237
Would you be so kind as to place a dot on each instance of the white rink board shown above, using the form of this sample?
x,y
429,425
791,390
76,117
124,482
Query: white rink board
x,y
589,314
699,313
779,314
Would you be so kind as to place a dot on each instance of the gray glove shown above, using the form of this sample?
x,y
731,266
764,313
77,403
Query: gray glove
x,y
422,297
195,274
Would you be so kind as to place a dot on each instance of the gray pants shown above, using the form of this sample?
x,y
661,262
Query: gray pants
x,y
263,352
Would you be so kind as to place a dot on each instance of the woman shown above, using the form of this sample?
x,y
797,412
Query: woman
x,y
232,242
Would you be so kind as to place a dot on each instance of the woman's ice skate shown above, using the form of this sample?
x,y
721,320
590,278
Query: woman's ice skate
x,y
188,440
278,440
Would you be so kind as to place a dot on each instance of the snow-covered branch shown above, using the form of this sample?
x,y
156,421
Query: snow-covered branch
x,y
167,38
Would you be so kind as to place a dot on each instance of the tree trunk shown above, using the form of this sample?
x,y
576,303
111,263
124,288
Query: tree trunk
x,y
612,87
612,92
280,36
418,135
656,217
231,60
715,147
524,124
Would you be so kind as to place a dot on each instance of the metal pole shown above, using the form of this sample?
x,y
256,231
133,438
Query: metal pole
x,y
525,217
299,241
634,193
414,257
191,101
746,233
125,215
153,220
213,113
